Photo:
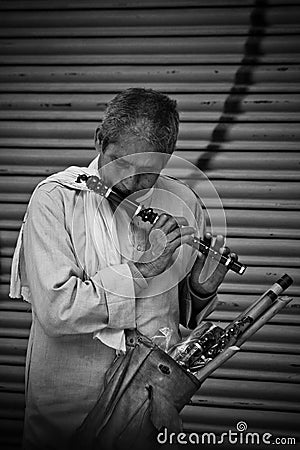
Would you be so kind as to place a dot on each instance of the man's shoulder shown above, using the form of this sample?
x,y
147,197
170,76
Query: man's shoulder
x,y
51,193
55,188
48,188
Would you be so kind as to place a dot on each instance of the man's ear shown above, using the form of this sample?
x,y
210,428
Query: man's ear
x,y
98,139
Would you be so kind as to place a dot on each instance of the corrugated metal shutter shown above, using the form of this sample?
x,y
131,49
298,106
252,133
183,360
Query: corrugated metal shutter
x,y
234,69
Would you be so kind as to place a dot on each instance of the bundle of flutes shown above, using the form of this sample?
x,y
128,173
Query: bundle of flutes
x,y
209,345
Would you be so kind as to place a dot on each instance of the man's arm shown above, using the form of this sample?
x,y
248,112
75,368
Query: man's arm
x,y
206,276
194,307
63,302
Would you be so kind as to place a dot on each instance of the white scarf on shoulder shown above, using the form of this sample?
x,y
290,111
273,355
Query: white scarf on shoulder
x,y
101,239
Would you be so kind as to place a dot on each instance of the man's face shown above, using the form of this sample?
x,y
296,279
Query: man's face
x,y
131,164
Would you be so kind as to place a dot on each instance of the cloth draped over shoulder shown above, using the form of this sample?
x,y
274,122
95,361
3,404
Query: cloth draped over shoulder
x,y
99,250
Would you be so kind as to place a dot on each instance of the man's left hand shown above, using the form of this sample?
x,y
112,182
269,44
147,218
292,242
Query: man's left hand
x,y
208,272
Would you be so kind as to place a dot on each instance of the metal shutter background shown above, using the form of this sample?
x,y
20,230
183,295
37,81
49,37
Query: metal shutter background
x,y
234,68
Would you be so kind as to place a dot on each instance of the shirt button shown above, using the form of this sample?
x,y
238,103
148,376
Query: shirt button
x,y
139,247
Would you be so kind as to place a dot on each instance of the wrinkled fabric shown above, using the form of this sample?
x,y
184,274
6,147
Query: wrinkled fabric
x,y
101,246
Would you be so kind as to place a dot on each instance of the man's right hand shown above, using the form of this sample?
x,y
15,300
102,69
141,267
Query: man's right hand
x,y
166,235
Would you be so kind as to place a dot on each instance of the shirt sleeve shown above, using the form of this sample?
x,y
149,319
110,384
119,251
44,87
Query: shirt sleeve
x,y
194,308
63,301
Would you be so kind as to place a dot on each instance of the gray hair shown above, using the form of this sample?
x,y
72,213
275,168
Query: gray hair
x,y
146,113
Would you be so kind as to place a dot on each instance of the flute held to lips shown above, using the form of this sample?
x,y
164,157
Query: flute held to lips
x,y
95,184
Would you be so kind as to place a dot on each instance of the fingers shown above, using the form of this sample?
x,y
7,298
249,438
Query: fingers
x,y
219,243
225,251
207,239
161,221
181,221
178,241
218,247
168,223
169,233
181,232
233,257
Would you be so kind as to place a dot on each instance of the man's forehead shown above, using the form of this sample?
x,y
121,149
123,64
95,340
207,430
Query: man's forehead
x,y
145,159
128,144
136,148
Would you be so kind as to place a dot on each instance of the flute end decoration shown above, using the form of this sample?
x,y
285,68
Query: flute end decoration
x,y
242,269
285,281
81,177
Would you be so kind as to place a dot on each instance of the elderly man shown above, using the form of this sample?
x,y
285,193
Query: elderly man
x,y
91,272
